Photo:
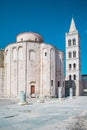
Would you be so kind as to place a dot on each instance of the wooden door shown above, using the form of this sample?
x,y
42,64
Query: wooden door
x,y
32,89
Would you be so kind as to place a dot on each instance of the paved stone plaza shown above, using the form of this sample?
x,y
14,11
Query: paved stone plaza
x,y
53,114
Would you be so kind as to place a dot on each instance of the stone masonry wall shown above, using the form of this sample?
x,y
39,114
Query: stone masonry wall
x,y
1,72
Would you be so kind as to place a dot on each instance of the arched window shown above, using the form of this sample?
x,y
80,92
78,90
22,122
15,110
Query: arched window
x,y
31,55
74,66
6,52
74,77
20,53
44,53
14,54
21,39
74,42
74,54
69,42
70,54
70,77
35,39
6,55
70,66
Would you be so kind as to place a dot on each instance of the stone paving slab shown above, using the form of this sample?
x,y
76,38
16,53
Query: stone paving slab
x,y
53,114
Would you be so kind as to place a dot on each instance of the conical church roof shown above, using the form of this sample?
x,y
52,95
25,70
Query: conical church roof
x,y
72,26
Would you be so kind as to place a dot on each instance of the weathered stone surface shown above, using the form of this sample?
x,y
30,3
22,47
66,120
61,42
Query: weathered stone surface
x,y
1,58
73,59
50,115
33,67
2,74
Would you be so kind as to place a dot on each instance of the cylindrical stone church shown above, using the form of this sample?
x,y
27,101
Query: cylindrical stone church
x,y
33,66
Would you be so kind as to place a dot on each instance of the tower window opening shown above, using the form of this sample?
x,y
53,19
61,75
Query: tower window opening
x,y
69,42
70,77
74,66
70,55
74,77
70,66
74,54
74,42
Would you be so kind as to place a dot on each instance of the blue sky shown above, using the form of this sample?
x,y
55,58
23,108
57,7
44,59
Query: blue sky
x,y
50,18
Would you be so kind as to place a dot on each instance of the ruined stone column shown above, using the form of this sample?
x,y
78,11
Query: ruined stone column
x,y
22,98
71,92
60,92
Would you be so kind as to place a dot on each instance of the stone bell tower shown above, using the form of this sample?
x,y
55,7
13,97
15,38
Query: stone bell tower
x,y
73,60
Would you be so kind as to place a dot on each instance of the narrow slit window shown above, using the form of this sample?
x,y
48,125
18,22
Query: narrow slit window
x,y
51,82
58,83
45,53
